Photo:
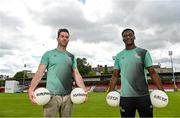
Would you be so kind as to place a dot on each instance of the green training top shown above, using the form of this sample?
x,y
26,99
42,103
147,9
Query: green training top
x,y
132,65
59,71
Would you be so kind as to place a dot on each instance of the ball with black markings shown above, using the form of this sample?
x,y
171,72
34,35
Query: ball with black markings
x,y
42,96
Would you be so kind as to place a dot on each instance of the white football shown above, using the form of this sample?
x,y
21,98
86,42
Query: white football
x,y
78,96
42,96
159,98
113,98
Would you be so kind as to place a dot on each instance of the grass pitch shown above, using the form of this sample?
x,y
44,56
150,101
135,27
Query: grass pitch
x,y
18,105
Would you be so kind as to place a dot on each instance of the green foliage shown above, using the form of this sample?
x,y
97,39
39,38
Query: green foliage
x,y
2,83
92,73
83,67
20,75
105,72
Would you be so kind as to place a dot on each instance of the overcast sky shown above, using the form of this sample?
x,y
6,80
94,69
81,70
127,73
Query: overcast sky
x,y
28,28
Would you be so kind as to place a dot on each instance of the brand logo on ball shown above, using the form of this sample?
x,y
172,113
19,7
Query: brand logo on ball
x,y
79,94
112,98
40,94
160,98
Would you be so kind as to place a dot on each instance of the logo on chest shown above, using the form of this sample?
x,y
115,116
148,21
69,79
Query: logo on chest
x,y
137,56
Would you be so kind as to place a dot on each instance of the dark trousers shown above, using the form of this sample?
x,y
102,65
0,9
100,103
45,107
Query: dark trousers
x,y
129,105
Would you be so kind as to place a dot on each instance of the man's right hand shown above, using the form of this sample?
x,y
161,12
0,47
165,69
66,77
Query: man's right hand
x,y
31,96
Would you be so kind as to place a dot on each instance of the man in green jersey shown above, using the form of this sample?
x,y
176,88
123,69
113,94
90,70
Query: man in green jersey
x,y
61,68
130,66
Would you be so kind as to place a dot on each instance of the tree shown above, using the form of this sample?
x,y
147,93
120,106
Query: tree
x,y
92,73
83,67
2,83
20,75
106,70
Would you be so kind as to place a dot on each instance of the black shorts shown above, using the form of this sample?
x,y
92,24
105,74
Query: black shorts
x,y
129,105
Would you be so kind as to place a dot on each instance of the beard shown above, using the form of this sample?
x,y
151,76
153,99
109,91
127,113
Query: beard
x,y
63,44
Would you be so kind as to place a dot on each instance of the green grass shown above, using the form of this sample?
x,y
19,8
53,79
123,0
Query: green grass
x,y
18,105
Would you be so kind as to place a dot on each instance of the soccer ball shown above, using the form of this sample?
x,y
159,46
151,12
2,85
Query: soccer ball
x,y
78,96
42,96
113,98
159,98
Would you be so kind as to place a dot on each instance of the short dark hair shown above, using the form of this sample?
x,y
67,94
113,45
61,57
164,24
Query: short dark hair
x,y
62,30
127,29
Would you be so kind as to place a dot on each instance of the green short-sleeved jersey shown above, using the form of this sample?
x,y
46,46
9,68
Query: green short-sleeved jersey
x,y
132,65
59,71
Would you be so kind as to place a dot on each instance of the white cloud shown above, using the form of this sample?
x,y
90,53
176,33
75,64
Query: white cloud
x,y
96,9
28,29
96,53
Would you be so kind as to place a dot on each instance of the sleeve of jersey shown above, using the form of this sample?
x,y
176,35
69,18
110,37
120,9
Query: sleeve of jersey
x,y
147,60
74,65
44,59
116,63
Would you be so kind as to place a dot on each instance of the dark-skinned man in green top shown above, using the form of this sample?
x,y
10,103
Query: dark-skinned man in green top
x,y
130,67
